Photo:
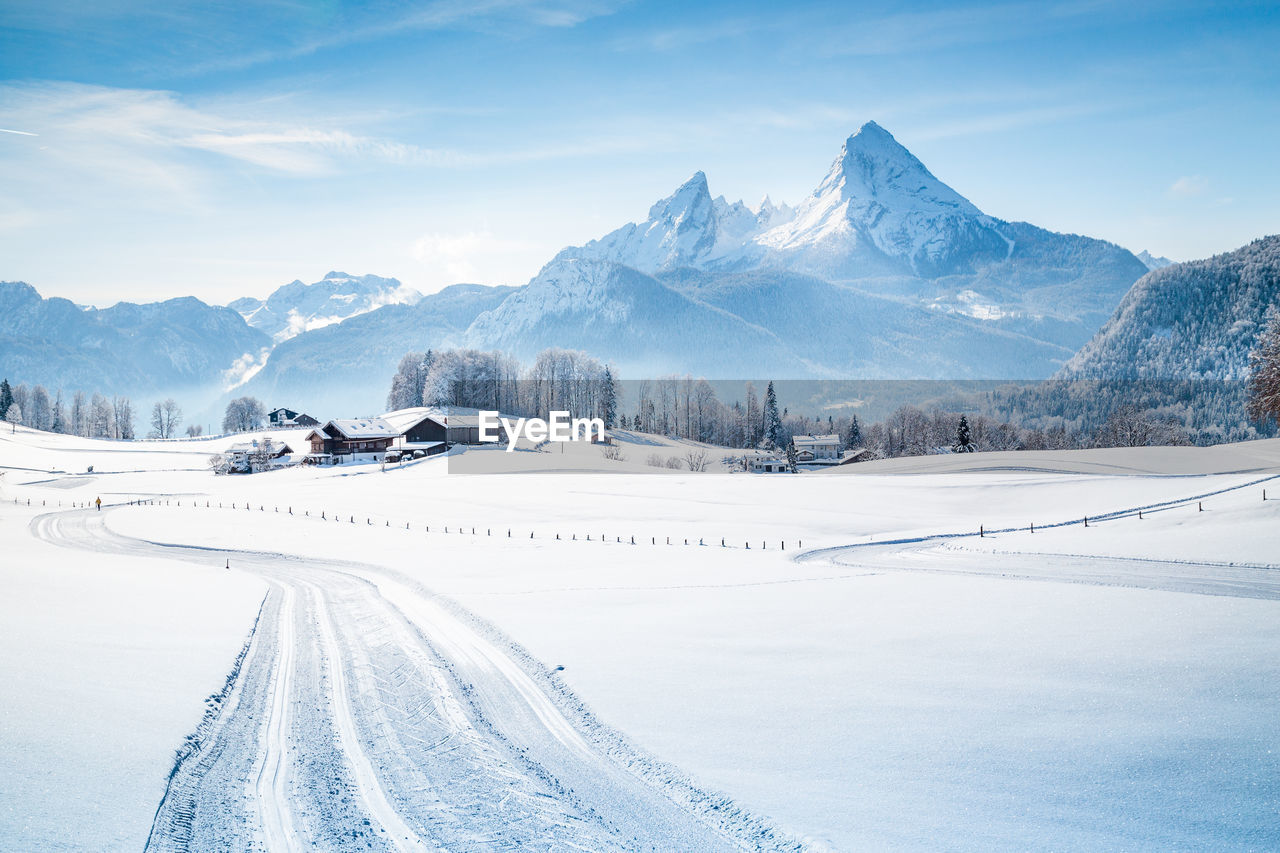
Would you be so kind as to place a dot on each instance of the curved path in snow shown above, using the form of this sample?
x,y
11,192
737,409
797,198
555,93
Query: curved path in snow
x,y
957,553
367,713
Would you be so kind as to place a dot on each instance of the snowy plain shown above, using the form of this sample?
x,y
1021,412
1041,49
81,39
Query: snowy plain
x,y
1109,687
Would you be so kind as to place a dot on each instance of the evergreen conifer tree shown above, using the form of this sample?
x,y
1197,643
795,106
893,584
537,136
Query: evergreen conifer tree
x,y
964,441
772,420
854,440
608,398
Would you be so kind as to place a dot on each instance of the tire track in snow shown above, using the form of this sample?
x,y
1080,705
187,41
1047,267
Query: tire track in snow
x,y
435,728
402,837
271,788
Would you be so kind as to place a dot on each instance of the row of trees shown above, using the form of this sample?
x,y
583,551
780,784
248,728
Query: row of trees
x,y
689,407
557,380
99,416
91,416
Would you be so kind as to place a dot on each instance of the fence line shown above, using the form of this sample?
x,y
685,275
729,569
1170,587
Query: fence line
x,y
982,531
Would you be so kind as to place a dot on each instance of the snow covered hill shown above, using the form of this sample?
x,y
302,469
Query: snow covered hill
x,y
1195,320
634,320
349,656
296,307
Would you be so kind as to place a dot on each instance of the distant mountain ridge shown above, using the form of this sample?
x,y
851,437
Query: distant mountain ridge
x,y
884,271
345,367
905,277
125,349
1152,262
297,307
881,221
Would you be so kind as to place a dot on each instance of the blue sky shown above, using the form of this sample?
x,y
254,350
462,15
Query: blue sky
x,y
165,149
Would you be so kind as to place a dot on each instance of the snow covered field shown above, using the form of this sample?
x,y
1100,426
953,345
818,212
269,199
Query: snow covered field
x,y
1108,687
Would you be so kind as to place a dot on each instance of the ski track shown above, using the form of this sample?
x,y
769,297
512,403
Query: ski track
x,y
271,782
366,713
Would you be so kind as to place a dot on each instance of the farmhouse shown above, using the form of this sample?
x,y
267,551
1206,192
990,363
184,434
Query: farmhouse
x,y
820,449
289,418
765,465
432,430
246,456
420,431
352,437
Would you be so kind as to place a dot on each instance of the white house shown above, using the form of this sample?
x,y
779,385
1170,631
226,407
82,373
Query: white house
x,y
820,449
764,465
247,456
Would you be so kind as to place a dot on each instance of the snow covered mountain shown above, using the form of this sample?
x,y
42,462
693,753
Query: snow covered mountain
x,y
296,307
179,344
1194,320
620,314
897,273
687,229
1152,262
880,211
344,368
881,222
883,271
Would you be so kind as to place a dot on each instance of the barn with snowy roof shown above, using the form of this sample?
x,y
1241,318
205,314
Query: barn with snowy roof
x,y
350,437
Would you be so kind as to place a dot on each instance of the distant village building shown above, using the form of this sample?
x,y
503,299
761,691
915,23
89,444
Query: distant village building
x,y
763,465
289,418
247,457
820,449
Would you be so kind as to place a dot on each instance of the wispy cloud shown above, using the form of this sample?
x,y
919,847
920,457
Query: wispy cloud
x,y
157,137
214,39
1189,186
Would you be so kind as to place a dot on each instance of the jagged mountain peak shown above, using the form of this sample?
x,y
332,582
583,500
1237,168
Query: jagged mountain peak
x,y
874,165
690,200
1153,262
880,211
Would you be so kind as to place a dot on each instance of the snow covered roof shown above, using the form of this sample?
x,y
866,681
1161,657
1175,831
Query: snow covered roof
x,y
277,448
814,440
403,419
364,428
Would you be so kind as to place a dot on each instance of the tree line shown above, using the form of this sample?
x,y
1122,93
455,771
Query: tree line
x,y
99,416
1052,415
92,415
558,379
